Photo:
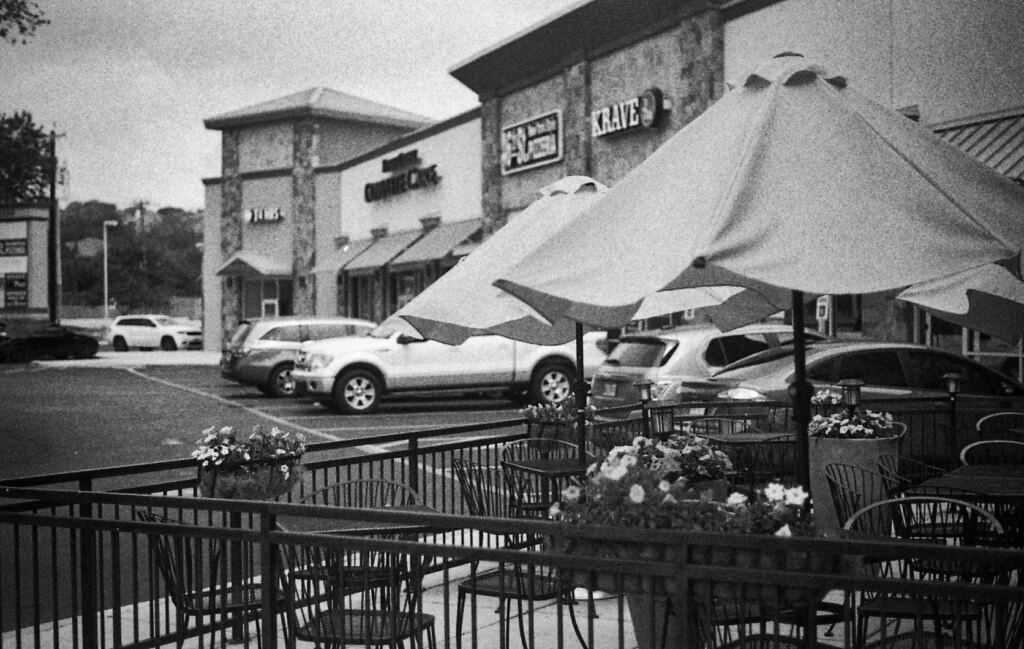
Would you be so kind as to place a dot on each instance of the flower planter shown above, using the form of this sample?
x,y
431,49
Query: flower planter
x,y
252,481
823,451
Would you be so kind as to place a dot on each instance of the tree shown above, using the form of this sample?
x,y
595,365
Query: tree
x,y
25,162
19,19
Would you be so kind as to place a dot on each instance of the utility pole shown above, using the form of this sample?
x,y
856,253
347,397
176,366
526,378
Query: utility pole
x,y
53,257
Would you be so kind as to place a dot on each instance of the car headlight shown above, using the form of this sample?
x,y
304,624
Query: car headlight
x,y
319,360
742,394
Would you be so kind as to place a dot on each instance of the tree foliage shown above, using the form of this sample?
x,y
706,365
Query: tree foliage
x,y
19,19
25,162
150,259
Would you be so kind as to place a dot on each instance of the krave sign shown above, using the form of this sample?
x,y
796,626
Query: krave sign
x,y
643,111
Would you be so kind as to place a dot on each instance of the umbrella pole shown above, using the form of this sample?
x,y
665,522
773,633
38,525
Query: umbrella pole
x,y
581,399
800,392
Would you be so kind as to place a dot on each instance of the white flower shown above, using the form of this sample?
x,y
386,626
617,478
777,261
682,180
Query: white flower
x,y
629,460
664,486
774,491
736,498
784,531
554,511
571,494
796,496
616,473
636,494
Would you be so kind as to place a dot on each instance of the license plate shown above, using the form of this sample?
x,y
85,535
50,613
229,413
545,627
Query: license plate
x,y
609,389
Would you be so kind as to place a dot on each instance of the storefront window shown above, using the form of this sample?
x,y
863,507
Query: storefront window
x,y
263,298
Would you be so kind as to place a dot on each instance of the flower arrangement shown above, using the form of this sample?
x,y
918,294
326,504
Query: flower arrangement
x,y
857,424
562,413
263,466
826,398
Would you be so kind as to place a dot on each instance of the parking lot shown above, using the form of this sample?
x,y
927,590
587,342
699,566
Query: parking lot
x,y
59,417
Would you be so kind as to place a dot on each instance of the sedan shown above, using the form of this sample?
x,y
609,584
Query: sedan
x,y
45,341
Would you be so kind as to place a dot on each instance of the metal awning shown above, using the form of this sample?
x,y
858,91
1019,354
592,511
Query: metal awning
x,y
438,242
996,139
382,251
337,258
251,263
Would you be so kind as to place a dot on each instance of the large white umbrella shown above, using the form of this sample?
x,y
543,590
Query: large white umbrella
x,y
792,180
464,302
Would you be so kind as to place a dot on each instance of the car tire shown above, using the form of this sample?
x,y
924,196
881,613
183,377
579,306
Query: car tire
x,y
19,353
280,383
84,349
167,344
552,383
358,392
120,345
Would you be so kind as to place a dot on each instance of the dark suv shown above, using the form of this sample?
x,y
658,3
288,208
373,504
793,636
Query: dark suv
x,y
261,352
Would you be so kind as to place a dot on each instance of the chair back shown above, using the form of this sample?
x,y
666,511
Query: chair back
x,y
901,472
998,425
719,426
854,487
606,435
367,494
765,460
529,493
993,452
483,488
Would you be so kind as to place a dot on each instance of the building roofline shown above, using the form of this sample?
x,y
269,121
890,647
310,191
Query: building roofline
x,y
980,118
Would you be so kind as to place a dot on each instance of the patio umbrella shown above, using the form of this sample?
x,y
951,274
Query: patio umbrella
x,y
792,180
988,298
464,302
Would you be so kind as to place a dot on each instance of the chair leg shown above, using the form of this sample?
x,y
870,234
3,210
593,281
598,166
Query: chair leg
x,y
459,609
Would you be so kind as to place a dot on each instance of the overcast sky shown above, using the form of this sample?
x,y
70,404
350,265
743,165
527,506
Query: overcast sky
x,y
129,82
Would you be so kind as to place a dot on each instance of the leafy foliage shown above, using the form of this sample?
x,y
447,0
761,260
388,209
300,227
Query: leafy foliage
x,y
19,20
25,162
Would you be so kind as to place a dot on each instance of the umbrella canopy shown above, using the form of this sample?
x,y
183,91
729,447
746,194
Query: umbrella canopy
x,y
988,298
792,180
464,302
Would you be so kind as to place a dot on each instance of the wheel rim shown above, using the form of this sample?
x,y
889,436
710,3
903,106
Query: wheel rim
x,y
284,382
360,393
555,386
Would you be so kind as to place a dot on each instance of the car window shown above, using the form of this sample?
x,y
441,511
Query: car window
x,y
137,322
640,352
166,322
286,333
729,349
926,369
874,368
240,333
322,330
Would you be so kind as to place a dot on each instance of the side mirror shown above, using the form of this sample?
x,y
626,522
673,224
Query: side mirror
x,y
405,339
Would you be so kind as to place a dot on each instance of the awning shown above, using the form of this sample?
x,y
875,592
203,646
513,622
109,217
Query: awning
x,y
382,251
996,139
251,263
438,242
333,262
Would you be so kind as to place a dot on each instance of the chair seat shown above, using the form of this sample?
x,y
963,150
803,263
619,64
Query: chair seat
x,y
512,583
922,640
248,598
911,607
771,641
364,627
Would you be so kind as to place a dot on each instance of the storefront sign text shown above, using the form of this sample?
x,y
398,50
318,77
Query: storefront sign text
x,y
16,290
417,178
13,247
638,112
531,143
263,215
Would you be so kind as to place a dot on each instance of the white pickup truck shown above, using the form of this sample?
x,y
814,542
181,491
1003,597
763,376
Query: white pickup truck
x,y
353,374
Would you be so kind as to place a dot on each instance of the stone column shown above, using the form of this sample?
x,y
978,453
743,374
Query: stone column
x,y
305,140
577,120
490,126
230,227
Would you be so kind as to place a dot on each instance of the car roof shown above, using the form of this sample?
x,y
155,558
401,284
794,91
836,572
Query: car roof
x,y
301,320
699,330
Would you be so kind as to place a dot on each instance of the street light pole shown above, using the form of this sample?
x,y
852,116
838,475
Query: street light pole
x,y
106,295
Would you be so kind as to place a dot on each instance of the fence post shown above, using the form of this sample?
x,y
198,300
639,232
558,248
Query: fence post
x,y
269,582
414,464
88,577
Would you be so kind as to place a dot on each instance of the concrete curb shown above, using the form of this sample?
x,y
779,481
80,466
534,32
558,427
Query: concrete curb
x,y
105,358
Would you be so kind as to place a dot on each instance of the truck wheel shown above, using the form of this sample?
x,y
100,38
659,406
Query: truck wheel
x,y
551,383
357,392
120,345
19,353
83,349
280,382
167,344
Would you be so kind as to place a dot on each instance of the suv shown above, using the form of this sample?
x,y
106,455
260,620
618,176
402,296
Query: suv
x,y
149,331
262,353
666,357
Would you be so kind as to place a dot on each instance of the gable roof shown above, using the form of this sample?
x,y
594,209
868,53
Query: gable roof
x,y
318,102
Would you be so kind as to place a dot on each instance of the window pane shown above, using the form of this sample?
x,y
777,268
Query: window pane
x,y
252,299
287,334
737,347
874,368
925,370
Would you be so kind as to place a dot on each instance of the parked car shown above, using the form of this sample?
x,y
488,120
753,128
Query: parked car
x,y
261,352
23,343
152,331
665,357
353,374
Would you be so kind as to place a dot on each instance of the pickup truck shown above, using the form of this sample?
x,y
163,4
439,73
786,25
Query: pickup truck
x,y
353,374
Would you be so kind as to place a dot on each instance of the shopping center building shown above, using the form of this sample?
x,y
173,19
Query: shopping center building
x,y
357,226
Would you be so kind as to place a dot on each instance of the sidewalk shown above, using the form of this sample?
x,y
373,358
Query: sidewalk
x,y
110,358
